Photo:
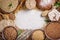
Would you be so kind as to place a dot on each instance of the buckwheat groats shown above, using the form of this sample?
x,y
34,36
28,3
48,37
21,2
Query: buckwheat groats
x,y
52,30
10,33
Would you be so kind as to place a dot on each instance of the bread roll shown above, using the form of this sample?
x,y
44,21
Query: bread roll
x,y
9,5
30,4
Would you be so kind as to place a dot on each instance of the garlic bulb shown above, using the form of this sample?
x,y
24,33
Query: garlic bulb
x,y
54,15
45,4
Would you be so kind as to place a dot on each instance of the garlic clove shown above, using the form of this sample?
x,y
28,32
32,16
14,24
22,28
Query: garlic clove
x,y
45,13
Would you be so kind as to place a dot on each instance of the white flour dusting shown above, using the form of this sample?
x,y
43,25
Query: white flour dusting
x,y
30,19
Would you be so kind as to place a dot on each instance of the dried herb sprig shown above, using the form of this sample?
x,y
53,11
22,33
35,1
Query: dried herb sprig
x,y
10,5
